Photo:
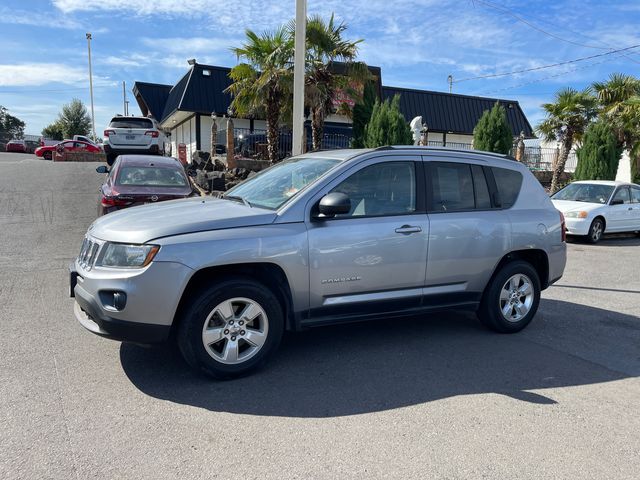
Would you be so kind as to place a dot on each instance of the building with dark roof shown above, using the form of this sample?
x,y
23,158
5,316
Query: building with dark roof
x,y
185,109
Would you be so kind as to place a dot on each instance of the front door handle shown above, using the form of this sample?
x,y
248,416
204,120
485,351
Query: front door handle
x,y
407,229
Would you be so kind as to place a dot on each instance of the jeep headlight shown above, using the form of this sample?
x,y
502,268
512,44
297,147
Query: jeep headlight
x,y
123,255
580,214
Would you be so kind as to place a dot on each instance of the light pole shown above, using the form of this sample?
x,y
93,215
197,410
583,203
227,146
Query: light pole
x,y
298,77
93,118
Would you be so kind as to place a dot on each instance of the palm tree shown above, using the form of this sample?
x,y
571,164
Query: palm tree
x,y
619,98
263,82
566,120
325,46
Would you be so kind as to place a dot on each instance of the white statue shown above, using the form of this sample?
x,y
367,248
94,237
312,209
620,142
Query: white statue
x,y
416,129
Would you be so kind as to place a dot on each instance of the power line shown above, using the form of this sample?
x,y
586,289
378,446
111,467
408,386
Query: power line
x,y
564,72
542,67
535,27
550,34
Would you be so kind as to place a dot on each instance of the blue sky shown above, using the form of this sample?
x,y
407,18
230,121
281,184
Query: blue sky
x,y
43,50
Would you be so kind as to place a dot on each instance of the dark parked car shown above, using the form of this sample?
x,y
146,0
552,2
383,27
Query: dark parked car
x,y
139,179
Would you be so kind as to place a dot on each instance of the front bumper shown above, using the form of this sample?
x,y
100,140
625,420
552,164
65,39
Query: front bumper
x,y
577,226
152,295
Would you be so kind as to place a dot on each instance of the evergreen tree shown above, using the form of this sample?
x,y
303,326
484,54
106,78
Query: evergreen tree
x,y
599,154
54,131
74,119
493,133
10,126
362,114
387,125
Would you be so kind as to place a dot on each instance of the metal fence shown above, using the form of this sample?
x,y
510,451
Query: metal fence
x,y
253,143
544,158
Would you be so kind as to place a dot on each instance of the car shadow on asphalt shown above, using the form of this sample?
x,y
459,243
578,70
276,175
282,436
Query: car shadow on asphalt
x,y
388,364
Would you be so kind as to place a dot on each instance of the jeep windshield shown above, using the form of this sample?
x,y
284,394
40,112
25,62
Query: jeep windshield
x,y
585,192
273,187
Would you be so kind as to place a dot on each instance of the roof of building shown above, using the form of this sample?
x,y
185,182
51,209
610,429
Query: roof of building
x,y
202,90
454,113
151,97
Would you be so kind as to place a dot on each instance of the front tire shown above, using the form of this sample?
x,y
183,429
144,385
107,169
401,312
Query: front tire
x,y
47,155
231,328
595,231
511,299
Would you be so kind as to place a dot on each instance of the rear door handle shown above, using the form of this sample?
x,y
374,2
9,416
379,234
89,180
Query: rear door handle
x,y
407,229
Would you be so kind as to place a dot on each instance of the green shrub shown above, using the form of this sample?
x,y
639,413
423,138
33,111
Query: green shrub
x,y
387,125
492,132
599,155
362,115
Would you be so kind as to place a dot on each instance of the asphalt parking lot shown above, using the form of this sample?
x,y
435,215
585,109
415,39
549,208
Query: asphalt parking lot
x,y
435,397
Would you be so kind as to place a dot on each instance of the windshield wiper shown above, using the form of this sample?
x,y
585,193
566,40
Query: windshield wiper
x,y
238,198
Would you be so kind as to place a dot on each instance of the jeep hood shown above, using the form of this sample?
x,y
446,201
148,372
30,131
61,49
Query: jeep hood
x,y
147,222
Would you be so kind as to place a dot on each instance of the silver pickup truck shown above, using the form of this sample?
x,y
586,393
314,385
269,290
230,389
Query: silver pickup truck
x,y
321,238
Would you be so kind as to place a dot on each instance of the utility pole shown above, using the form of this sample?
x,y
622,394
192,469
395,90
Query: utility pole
x,y
450,80
124,98
298,76
93,117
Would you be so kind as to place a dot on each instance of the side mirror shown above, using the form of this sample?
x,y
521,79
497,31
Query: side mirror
x,y
617,201
333,204
102,169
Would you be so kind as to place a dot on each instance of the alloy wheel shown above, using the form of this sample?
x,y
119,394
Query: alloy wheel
x,y
235,330
516,297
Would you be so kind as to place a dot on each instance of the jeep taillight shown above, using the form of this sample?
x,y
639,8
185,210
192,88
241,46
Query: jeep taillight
x,y
563,228
152,133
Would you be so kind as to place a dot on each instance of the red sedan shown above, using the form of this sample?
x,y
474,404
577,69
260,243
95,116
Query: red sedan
x,y
16,146
139,179
47,152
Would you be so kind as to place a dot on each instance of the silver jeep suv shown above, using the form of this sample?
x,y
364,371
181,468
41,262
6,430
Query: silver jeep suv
x,y
322,238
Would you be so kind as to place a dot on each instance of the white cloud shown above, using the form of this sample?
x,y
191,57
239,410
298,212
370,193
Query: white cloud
x,y
37,19
191,45
36,74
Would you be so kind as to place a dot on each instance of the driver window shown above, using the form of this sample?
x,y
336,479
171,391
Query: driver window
x,y
635,195
382,189
622,194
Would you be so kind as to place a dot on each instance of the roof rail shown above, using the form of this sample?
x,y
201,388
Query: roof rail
x,y
441,149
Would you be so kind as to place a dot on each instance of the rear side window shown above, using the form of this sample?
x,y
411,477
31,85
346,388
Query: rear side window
x,y
451,187
483,199
508,183
128,122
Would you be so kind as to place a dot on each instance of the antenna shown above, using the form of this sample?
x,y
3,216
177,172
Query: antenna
x,y
450,80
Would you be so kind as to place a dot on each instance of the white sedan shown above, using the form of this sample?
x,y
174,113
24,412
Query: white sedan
x,y
593,207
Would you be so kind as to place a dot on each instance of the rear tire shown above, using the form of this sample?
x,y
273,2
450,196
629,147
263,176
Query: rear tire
x,y
596,231
231,328
511,299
